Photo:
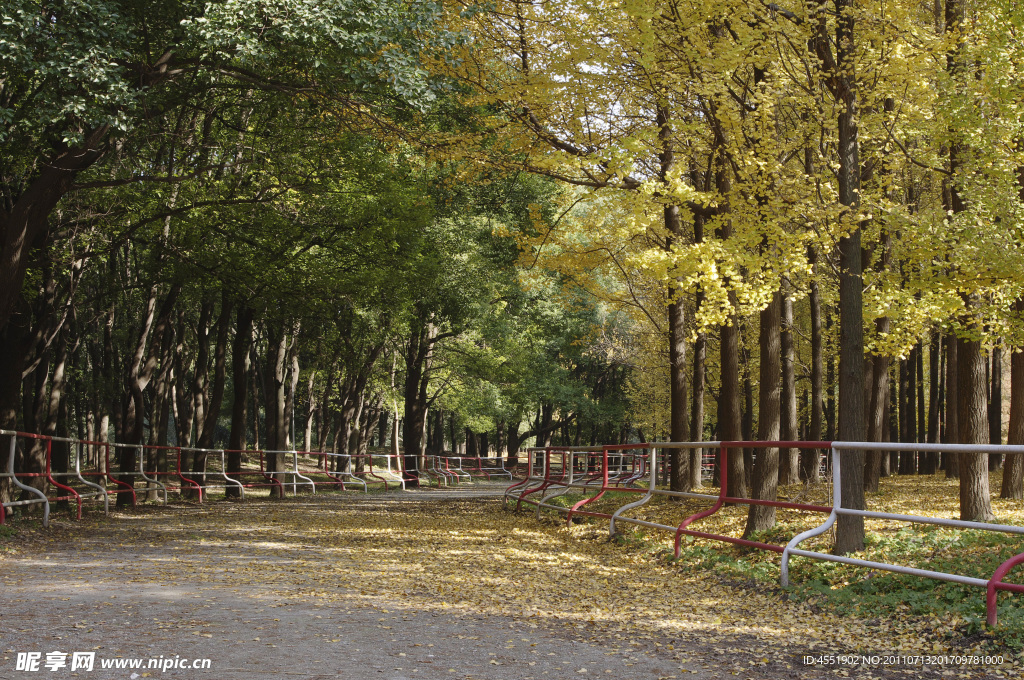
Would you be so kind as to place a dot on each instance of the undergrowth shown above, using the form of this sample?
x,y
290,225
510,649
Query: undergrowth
x,y
956,609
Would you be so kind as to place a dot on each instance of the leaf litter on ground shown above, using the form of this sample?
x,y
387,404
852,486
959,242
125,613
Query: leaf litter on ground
x,y
474,556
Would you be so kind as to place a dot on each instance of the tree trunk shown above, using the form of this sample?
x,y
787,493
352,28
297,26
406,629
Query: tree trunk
x,y
876,411
697,408
809,458
731,425
850,529
292,385
697,402
930,462
919,391
25,218
730,416
274,401
764,484
748,417
789,458
905,418
680,480
141,371
911,406
417,368
1013,470
220,353
950,461
240,390
830,387
975,502
995,407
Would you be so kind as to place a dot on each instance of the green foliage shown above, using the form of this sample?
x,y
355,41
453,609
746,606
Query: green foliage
x,y
50,97
866,593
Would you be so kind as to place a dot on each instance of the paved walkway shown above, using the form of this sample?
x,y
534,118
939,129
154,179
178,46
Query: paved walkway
x,y
430,584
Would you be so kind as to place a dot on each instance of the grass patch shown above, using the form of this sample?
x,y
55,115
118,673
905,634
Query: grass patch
x,y
955,611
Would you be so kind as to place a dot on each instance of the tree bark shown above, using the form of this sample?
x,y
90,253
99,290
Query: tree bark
x,y
417,368
975,502
680,478
240,389
697,410
220,352
850,529
1013,470
911,406
809,458
764,484
291,386
140,373
877,412
25,222
995,407
730,416
789,458
930,462
274,400
903,399
730,411
950,461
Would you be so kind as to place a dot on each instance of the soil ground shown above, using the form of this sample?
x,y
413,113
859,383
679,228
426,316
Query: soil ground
x,y
426,585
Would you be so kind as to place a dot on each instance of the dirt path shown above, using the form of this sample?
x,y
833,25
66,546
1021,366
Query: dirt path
x,y
428,584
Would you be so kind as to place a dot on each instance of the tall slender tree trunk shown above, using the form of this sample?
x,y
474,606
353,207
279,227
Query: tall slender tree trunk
x,y
292,372
240,390
748,416
274,400
209,428
730,416
830,389
697,410
809,458
930,463
957,430
730,412
789,458
680,479
919,391
905,418
951,461
911,407
699,358
1013,470
995,407
877,412
975,502
764,484
850,529
417,374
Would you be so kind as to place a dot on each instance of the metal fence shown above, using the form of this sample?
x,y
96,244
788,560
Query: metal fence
x,y
555,471
160,470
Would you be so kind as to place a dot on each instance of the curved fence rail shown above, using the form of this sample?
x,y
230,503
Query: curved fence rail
x,y
556,471
992,584
156,471
86,471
